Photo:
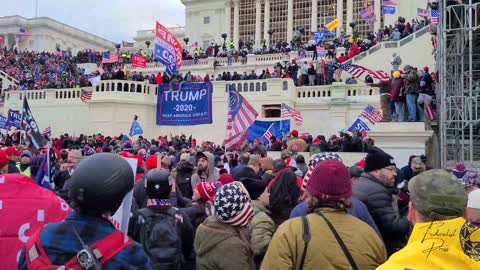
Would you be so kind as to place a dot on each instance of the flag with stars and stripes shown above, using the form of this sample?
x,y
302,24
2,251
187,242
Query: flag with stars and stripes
x,y
109,58
47,131
269,133
358,72
435,15
86,95
240,116
371,114
287,111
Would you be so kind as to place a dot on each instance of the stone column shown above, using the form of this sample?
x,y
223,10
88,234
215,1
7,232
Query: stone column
x,y
349,16
6,41
236,15
290,20
258,22
340,17
228,21
378,14
314,22
266,21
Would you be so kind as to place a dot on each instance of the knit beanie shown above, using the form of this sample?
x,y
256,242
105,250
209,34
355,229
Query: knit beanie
x,y
225,179
313,162
459,170
330,180
232,205
377,159
206,190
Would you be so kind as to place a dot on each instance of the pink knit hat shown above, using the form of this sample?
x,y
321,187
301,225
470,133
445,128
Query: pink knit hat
x,y
330,180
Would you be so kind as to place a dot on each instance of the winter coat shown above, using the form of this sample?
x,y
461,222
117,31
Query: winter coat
x,y
276,146
324,252
12,167
212,175
261,228
184,172
412,83
379,202
447,246
219,246
396,91
385,86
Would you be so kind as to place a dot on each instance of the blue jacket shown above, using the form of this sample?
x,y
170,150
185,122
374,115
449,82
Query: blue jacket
x,y
359,211
61,244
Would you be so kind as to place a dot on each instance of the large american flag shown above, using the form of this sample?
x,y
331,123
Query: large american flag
x,y
358,71
371,114
240,116
269,133
287,112
86,95
435,14
108,58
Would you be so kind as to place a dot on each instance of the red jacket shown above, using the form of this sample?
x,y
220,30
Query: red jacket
x,y
158,79
341,58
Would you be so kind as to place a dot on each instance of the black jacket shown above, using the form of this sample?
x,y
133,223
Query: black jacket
x,y
379,201
12,167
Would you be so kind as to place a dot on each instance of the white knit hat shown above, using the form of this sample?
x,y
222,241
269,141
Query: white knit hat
x,y
474,199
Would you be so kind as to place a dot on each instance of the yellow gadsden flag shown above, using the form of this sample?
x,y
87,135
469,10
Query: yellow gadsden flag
x,y
333,24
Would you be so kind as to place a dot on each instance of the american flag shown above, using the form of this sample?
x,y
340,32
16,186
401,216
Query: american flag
x,y
269,133
240,117
47,131
358,71
371,114
109,58
435,14
288,111
86,95
389,3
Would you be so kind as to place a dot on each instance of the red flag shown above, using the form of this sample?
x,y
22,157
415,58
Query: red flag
x,y
139,61
25,207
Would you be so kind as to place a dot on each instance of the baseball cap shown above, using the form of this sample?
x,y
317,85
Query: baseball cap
x,y
12,151
438,194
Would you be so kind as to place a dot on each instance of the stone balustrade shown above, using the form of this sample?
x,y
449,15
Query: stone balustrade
x,y
336,90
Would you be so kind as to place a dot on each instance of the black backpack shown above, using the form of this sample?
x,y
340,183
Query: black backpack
x,y
160,237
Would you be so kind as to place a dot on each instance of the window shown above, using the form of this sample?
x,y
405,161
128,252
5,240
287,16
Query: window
x,y
206,20
271,111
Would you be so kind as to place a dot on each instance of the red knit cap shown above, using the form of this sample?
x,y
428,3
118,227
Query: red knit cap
x,y
226,179
330,180
151,163
206,190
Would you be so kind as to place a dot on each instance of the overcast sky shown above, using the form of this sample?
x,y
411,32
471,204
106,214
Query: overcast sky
x,y
115,20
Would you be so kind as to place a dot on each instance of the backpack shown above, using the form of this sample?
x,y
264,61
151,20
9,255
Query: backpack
x,y
160,237
104,249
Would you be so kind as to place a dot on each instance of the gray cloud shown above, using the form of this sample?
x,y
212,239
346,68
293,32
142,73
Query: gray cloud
x,y
115,20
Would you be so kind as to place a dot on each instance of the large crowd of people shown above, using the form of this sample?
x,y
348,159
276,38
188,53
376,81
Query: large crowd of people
x,y
193,201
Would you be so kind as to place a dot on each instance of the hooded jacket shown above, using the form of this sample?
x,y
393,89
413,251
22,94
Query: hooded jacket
x,y
262,228
212,175
379,201
219,246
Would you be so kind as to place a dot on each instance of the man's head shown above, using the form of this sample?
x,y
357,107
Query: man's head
x,y
267,164
73,156
382,166
12,153
355,173
473,207
158,184
218,162
286,154
435,195
26,157
244,158
417,165
254,163
202,162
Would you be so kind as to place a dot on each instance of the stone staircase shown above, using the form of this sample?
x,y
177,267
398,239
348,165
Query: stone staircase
x,y
8,80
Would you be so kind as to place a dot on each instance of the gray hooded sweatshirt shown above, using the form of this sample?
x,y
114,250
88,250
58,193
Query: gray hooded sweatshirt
x,y
212,174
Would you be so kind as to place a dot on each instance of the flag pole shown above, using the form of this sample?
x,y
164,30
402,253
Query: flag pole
x,y
36,8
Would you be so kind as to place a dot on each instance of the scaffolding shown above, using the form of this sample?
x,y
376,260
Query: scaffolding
x,y
458,63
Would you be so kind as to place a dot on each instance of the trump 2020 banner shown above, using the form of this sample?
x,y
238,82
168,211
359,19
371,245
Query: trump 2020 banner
x,y
167,49
14,119
187,104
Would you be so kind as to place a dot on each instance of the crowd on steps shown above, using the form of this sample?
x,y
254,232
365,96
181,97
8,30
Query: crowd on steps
x,y
197,206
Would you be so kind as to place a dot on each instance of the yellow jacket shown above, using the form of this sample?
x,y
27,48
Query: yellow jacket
x,y
447,244
323,252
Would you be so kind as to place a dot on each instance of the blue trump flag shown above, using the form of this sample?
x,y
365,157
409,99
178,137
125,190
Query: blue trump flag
x,y
321,34
360,125
3,122
14,119
388,10
187,104
135,129
260,127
